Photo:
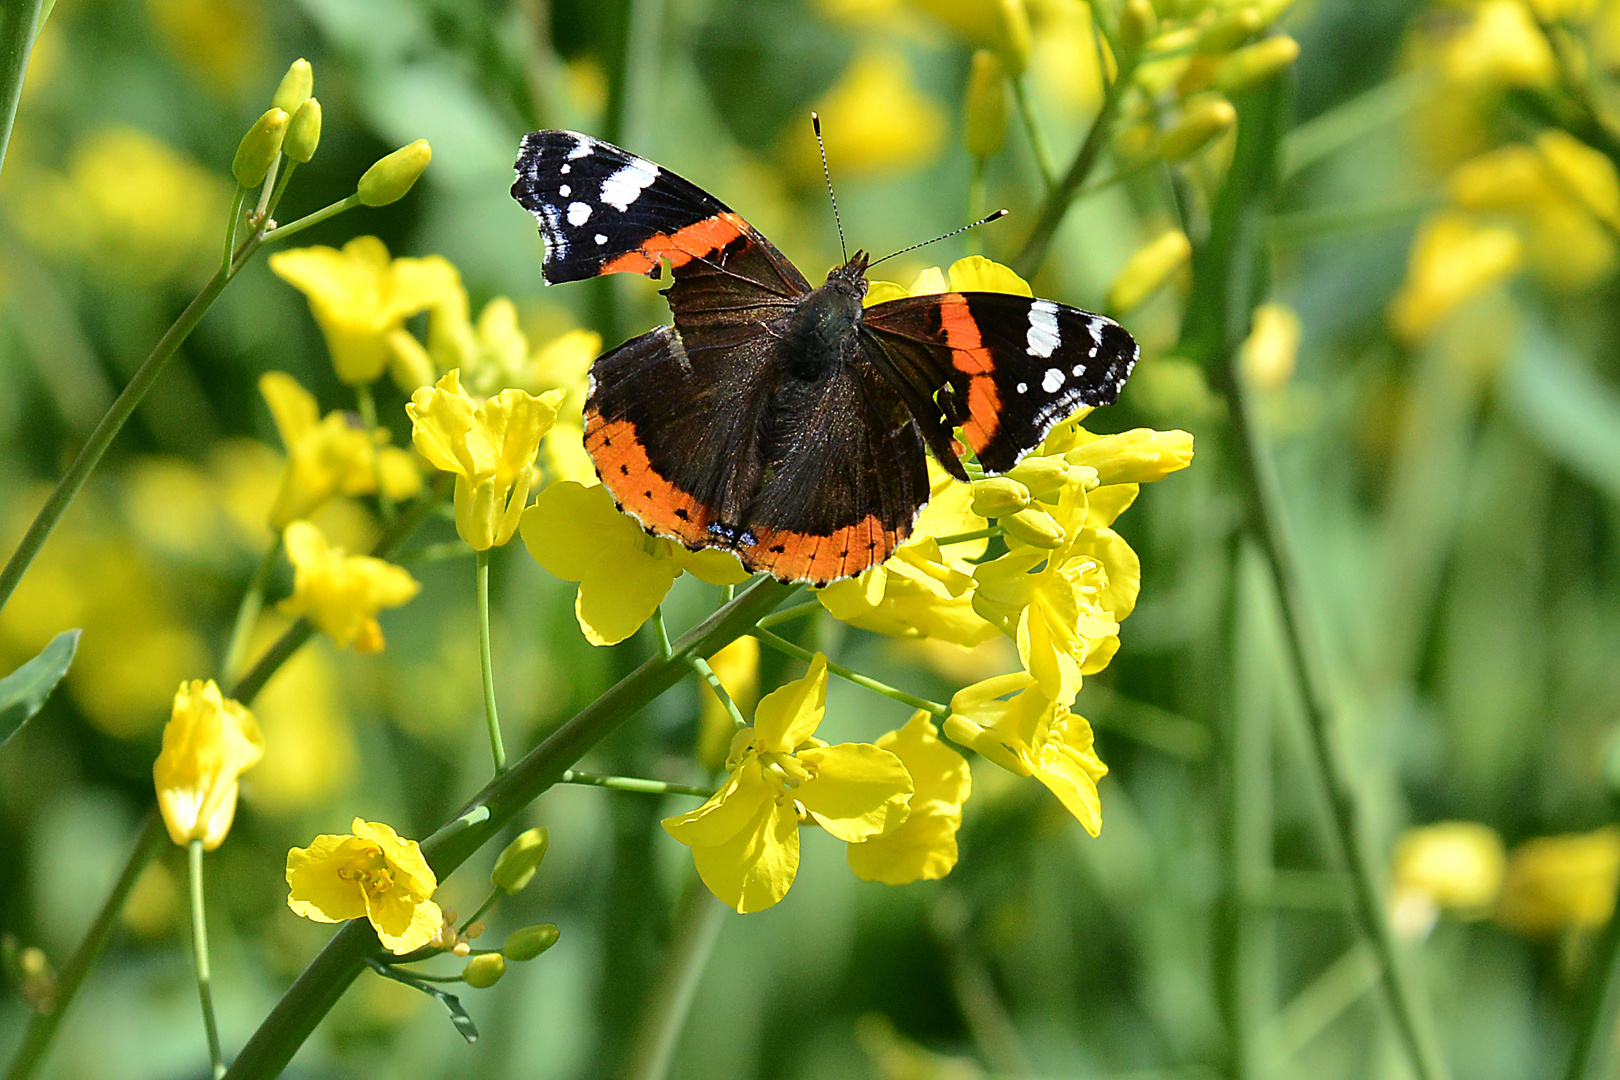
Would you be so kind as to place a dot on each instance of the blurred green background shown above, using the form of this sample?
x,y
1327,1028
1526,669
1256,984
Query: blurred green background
x,y
1448,433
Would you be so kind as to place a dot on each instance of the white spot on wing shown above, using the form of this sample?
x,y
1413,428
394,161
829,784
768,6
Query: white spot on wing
x,y
581,149
625,186
1078,370
578,214
1052,381
565,191
566,169
1094,326
600,239
1023,388
1043,335
551,229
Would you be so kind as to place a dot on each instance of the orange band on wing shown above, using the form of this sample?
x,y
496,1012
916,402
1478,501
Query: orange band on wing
x,y
680,247
796,556
621,462
969,356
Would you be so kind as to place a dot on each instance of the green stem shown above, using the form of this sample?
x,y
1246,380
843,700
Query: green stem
x,y
965,537
199,950
634,783
489,902
231,227
315,991
247,614
261,209
696,927
1085,159
782,645
19,23
701,666
1037,141
797,611
660,631
490,716
288,165
449,549
283,231
42,1026
1591,1056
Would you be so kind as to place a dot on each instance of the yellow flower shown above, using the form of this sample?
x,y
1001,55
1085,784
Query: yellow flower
x,y
1501,46
745,839
577,534
342,593
490,447
877,119
1272,347
1452,260
325,457
373,873
1032,735
359,296
973,273
737,668
208,742
924,848
494,353
1454,866
1561,882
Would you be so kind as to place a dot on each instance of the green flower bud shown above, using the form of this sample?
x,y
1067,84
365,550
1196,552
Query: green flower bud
x,y
998,496
391,177
1255,63
259,148
1202,122
1137,23
295,88
1231,30
1015,35
517,864
1034,527
529,942
303,132
1043,476
485,970
984,120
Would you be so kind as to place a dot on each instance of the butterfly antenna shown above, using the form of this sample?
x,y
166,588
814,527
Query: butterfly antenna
x,y
815,121
982,221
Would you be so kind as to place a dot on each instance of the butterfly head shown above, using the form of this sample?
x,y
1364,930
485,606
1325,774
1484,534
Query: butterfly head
x,y
850,279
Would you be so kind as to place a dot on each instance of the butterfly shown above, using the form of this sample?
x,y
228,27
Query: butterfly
x,y
783,422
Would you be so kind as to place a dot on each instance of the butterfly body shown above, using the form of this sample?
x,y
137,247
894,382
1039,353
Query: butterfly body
x,y
783,422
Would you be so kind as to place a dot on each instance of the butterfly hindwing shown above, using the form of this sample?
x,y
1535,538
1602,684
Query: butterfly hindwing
x,y
1005,368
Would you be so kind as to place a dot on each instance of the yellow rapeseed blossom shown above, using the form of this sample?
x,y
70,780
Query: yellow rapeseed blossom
x,y
1501,46
494,352
1452,866
326,457
208,743
1453,259
924,848
342,593
745,839
490,446
1561,882
1148,269
372,873
577,534
878,121
1029,734
359,296
1272,347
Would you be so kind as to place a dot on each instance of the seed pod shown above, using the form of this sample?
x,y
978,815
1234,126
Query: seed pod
x,y
295,88
1202,122
391,177
984,120
516,866
1255,63
303,132
529,942
485,970
259,148
999,496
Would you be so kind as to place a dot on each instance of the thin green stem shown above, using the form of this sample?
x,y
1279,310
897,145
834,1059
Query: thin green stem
x,y
315,991
367,405
19,23
247,613
797,611
701,666
1037,141
965,537
696,927
261,209
1591,1056
423,976
782,645
660,631
449,549
489,902
42,1026
634,783
490,716
281,232
231,227
287,167
199,951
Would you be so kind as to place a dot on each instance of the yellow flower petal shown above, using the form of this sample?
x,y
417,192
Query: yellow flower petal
x,y
208,743
411,870
856,792
621,591
756,867
727,812
403,922
790,714
975,273
317,890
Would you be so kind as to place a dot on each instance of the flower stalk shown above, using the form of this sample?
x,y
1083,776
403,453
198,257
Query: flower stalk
x,y
491,717
782,645
199,950
247,613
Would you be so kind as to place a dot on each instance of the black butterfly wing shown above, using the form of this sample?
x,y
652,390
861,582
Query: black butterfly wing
x,y
1002,367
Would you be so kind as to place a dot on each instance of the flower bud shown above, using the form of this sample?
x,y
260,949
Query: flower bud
x,y
1231,30
1133,143
1137,23
517,864
999,496
1202,122
391,177
259,148
303,132
529,942
484,971
1138,456
1148,269
1034,527
295,88
1041,475
1015,35
984,121
1272,347
475,929
1255,63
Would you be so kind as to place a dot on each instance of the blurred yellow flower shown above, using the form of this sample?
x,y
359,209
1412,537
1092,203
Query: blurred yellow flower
x,y
219,42
494,352
373,873
1453,866
1272,347
877,120
924,847
1031,735
1453,259
208,743
745,839
359,296
1561,882
577,534
1501,46
325,457
1148,269
490,446
310,753
342,593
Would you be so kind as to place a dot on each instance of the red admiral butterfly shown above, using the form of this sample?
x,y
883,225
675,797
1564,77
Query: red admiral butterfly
x,y
782,422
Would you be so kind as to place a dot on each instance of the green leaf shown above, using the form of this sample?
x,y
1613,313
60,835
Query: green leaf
x,y
24,691
1573,414
452,1004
